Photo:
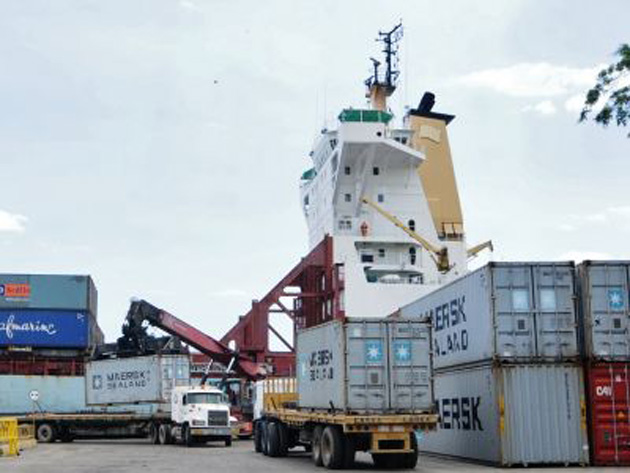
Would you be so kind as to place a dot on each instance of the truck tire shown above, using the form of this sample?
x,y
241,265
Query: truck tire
x,y
410,460
258,440
164,434
273,439
154,434
316,445
228,441
46,433
283,434
349,452
187,436
332,445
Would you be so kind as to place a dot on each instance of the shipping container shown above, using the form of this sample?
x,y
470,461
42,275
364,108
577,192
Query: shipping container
x,y
609,413
605,309
365,365
519,312
137,379
47,328
511,415
54,394
44,291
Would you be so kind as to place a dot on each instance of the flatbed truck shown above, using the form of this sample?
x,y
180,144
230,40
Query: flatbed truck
x,y
333,438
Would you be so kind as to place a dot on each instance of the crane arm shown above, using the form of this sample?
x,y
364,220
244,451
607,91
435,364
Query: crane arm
x,y
439,255
472,252
141,311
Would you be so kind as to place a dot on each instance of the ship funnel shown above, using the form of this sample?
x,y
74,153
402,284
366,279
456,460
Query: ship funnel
x,y
427,102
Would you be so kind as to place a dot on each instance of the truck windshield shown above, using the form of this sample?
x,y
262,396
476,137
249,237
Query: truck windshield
x,y
204,398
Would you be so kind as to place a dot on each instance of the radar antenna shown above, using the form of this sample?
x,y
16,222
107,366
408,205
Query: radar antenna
x,y
380,87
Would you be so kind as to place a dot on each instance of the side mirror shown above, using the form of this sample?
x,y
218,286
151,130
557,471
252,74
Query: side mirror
x,y
184,400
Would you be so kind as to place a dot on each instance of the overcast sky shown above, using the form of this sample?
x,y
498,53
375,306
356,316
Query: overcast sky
x,y
157,144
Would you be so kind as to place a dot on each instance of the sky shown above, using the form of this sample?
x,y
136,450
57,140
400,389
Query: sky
x,y
157,145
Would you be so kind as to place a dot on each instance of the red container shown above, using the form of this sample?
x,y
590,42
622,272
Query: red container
x,y
609,413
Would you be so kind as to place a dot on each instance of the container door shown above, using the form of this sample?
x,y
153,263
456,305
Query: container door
x,y
609,311
556,323
409,365
514,311
610,413
542,419
367,365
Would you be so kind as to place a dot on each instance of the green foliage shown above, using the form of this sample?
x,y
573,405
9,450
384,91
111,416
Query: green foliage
x,y
616,108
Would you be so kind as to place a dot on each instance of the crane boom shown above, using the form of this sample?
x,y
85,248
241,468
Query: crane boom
x,y
438,255
141,311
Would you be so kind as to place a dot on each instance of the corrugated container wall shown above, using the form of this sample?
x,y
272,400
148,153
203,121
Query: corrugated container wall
x,y
365,365
605,309
138,379
520,312
57,395
511,415
609,413
38,291
48,328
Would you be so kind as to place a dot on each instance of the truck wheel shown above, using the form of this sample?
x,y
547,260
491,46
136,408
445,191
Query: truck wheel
x,y
154,436
273,439
46,433
283,435
164,433
258,441
264,432
228,441
349,452
410,460
383,460
332,447
187,436
316,445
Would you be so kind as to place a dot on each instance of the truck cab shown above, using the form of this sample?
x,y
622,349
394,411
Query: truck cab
x,y
200,414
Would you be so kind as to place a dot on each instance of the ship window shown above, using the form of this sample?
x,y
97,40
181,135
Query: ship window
x,y
366,258
376,170
333,143
306,201
412,225
345,224
380,198
403,140
412,255
347,170
381,252
347,197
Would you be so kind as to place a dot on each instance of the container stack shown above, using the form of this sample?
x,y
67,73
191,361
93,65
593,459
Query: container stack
x,y
605,328
48,324
508,379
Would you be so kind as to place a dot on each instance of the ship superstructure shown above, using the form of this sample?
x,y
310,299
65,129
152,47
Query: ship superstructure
x,y
365,170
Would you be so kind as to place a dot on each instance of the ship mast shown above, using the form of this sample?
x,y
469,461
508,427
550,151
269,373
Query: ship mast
x,y
380,87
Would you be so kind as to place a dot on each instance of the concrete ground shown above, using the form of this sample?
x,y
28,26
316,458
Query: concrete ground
x,y
137,456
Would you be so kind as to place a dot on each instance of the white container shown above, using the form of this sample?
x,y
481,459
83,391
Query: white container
x,y
511,415
605,309
137,379
365,365
519,312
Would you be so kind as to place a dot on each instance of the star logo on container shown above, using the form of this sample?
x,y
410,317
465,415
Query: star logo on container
x,y
615,299
374,352
402,351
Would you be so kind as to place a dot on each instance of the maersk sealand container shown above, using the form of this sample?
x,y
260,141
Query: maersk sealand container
x,y
44,291
505,312
605,309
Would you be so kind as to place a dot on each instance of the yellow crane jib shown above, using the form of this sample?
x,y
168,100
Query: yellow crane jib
x,y
438,254
475,250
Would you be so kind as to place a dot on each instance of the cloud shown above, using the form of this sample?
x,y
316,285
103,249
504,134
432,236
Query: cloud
x,y
576,255
12,222
189,5
575,103
620,211
546,107
533,79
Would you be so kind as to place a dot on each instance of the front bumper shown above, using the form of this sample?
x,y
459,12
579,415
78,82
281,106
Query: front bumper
x,y
210,432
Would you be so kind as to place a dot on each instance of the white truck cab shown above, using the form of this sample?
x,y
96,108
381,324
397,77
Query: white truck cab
x,y
198,414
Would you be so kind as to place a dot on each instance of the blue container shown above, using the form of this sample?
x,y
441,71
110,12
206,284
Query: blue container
x,y
45,328
39,291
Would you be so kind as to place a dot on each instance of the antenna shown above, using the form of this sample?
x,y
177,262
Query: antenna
x,y
390,41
